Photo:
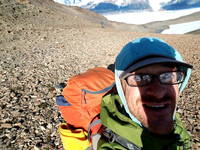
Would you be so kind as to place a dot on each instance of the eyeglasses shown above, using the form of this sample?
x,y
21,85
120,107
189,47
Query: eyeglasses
x,y
168,78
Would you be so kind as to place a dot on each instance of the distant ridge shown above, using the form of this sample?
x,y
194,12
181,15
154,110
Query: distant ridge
x,y
103,6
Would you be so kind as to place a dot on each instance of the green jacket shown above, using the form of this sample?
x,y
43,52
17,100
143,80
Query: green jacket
x,y
114,117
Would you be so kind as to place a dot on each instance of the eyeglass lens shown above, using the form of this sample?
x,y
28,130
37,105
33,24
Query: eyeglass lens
x,y
164,78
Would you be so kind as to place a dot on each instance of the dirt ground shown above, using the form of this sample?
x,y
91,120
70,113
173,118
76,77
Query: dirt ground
x,y
43,44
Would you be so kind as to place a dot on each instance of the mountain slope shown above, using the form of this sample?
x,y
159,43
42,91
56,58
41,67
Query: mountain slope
x,y
21,15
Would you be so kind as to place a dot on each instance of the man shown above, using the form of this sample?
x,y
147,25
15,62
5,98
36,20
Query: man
x,y
149,76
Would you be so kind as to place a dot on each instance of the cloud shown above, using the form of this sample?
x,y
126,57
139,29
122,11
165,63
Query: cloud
x,y
157,4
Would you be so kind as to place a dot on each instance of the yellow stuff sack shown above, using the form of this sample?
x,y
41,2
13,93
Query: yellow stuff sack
x,y
73,139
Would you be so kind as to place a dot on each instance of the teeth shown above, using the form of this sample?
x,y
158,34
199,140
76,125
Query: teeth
x,y
156,106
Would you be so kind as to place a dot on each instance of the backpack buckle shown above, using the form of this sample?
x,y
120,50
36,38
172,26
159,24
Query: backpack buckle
x,y
110,135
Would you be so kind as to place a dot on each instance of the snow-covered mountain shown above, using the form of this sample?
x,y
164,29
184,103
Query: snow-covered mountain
x,y
101,6
181,4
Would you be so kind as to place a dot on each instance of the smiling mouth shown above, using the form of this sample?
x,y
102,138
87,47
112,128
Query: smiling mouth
x,y
155,107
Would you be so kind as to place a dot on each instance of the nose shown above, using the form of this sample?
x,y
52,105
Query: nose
x,y
156,90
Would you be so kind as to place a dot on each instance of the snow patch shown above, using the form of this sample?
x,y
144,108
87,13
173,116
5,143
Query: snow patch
x,y
182,28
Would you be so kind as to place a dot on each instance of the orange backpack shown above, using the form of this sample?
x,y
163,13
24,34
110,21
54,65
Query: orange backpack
x,y
80,101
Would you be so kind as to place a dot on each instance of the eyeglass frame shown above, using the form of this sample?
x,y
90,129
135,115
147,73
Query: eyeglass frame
x,y
153,77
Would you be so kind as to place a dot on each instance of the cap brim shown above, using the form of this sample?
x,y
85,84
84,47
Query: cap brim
x,y
154,60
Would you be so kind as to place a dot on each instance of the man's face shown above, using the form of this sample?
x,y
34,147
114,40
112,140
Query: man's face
x,y
153,104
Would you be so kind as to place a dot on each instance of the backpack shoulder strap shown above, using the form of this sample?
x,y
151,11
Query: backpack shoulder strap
x,y
94,123
113,137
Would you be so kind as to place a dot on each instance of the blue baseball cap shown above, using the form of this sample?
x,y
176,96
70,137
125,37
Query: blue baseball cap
x,y
147,51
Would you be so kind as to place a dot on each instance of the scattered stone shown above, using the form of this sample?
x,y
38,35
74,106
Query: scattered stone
x,y
6,125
